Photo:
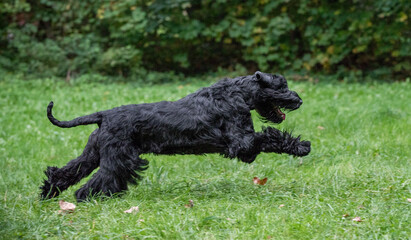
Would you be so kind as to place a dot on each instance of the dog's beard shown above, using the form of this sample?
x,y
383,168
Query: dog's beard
x,y
271,113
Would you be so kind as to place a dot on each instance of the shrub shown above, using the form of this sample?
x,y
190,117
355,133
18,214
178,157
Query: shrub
x,y
52,37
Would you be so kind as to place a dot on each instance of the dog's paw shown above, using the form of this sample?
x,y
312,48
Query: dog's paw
x,y
303,149
247,158
83,194
49,190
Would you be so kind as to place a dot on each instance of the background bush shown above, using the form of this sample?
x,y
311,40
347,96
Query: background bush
x,y
68,38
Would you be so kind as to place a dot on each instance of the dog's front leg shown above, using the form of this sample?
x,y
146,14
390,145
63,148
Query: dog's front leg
x,y
273,140
242,147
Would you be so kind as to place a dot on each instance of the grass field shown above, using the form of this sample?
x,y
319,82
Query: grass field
x,y
360,166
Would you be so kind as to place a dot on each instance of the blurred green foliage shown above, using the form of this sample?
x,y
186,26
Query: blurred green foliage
x,y
65,38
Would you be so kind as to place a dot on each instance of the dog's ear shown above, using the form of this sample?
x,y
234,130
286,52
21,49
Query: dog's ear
x,y
262,77
258,75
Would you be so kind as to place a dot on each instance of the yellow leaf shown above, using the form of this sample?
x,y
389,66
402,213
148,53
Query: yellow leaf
x,y
403,17
257,30
132,210
66,207
359,49
395,53
241,22
330,49
257,39
100,13
307,66
357,219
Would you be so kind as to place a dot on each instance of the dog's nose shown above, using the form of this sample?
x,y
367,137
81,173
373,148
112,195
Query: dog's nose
x,y
300,103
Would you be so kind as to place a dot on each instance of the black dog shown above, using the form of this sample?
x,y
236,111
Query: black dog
x,y
214,119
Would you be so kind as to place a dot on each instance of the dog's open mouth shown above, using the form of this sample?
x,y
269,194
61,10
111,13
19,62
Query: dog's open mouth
x,y
271,113
279,112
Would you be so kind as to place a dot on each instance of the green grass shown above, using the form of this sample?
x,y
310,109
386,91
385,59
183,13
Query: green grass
x,y
359,165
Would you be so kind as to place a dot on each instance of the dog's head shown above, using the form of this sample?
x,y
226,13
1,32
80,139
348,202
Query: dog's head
x,y
273,97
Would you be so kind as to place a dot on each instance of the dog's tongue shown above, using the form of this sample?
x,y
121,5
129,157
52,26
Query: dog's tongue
x,y
281,113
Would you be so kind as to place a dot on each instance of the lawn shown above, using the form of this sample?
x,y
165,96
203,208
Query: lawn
x,y
360,166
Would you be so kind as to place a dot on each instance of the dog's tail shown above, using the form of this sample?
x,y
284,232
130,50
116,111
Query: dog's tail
x,y
94,118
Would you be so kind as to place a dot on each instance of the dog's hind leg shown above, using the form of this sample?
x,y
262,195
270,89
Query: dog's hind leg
x,y
120,164
59,179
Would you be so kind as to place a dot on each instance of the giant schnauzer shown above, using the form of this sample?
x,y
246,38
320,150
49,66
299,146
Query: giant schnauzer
x,y
214,119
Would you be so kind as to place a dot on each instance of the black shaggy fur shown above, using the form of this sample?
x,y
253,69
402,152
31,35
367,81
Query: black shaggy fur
x,y
214,119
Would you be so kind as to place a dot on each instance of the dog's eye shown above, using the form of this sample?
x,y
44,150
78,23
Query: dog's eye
x,y
264,84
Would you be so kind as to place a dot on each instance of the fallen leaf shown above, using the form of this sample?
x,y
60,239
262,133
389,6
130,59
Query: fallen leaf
x,y
357,219
66,207
258,181
190,204
132,210
321,127
409,199
140,220
346,215
282,205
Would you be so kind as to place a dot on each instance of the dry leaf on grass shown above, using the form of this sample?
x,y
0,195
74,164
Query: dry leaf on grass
x,y
66,207
258,181
321,127
281,205
357,219
190,204
409,199
345,215
132,210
